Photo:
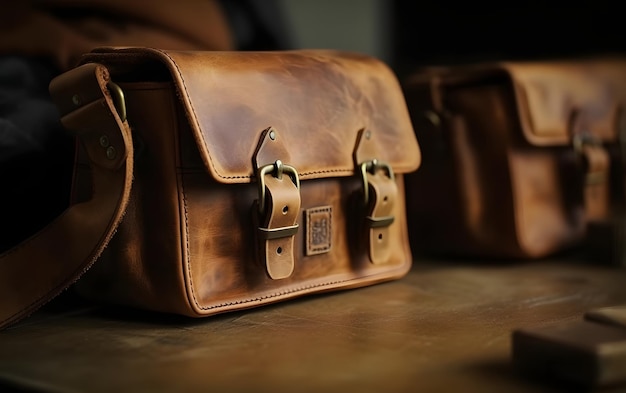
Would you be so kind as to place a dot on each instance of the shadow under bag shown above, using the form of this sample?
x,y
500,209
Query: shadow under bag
x,y
209,182
520,160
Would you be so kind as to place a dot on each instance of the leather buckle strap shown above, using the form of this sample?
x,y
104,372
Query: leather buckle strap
x,y
279,168
603,194
595,156
367,170
619,237
597,164
278,208
380,193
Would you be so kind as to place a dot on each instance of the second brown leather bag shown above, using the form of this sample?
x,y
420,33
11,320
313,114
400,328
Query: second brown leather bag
x,y
209,182
520,160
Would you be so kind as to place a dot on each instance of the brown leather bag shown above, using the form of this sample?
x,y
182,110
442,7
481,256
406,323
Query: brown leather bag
x,y
520,160
222,181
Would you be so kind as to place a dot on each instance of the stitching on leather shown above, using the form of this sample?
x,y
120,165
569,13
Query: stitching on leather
x,y
189,278
251,300
349,171
277,294
309,231
193,110
244,301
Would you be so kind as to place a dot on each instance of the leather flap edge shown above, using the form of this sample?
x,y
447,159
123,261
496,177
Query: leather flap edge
x,y
554,99
319,100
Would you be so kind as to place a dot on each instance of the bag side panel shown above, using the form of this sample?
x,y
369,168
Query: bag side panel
x,y
141,266
434,197
469,208
531,190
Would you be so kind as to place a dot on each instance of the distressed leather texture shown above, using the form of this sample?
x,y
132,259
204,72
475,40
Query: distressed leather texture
x,y
193,240
520,159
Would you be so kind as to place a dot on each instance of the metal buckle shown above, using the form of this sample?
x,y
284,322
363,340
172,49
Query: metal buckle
x,y
117,95
371,167
579,141
279,169
278,233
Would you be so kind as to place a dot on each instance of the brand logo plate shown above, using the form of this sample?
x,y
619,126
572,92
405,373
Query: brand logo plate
x,y
319,230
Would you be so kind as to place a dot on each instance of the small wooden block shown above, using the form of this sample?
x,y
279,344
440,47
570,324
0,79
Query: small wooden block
x,y
615,316
585,353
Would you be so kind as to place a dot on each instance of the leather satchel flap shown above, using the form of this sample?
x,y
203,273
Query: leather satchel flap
x,y
552,96
317,100
555,99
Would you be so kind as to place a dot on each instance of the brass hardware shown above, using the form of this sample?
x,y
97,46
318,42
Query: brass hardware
x,y
371,167
279,168
579,141
433,118
104,141
111,153
380,222
117,95
593,179
277,233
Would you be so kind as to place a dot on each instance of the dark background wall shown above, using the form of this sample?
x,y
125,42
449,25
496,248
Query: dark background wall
x,y
426,32
408,33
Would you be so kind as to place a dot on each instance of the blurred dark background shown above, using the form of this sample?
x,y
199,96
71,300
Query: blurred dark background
x,y
407,33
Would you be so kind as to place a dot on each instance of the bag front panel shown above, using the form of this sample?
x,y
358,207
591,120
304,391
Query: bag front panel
x,y
223,264
433,196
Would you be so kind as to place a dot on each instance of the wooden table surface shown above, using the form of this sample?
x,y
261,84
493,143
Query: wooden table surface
x,y
446,326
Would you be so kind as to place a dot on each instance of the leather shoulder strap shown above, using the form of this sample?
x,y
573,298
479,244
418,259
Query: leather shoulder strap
x,y
42,266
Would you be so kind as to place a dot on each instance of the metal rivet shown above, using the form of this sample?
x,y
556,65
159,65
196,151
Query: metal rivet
x,y
433,118
111,153
104,141
368,134
272,135
76,99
